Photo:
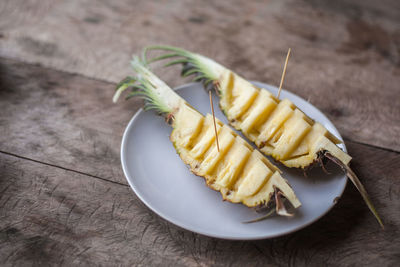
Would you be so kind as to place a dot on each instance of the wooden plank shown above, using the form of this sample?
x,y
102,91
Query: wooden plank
x,y
345,53
62,119
51,216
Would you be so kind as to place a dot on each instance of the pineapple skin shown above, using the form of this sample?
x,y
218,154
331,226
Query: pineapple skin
x,y
240,173
277,127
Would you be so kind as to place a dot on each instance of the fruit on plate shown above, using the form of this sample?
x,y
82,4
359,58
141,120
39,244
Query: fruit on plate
x,y
277,127
238,171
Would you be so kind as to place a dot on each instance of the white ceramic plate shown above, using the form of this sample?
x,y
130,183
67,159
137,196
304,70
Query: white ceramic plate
x,y
164,183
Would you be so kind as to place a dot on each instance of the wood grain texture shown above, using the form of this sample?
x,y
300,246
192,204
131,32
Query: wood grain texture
x,y
62,119
56,217
50,216
63,197
345,58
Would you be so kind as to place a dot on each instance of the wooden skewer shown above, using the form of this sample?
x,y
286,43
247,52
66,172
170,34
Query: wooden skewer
x,y
215,125
283,73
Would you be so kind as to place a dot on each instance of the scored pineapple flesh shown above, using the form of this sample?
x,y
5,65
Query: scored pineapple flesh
x,y
277,127
240,173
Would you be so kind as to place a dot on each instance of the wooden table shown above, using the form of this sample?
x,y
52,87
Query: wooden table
x,y
64,199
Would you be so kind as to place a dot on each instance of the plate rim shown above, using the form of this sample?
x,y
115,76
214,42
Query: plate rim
x,y
181,225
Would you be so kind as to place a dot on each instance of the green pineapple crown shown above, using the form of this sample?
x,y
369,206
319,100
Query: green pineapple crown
x,y
144,85
205,69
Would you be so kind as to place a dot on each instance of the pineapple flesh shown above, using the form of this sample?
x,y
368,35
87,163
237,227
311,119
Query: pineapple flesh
x,y
241,173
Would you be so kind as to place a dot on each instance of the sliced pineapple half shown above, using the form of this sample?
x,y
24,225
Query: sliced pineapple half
x,y
277,127
241,173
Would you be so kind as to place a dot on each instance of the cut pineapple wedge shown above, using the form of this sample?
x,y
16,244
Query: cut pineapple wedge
x,y
276,126
241,173
237,170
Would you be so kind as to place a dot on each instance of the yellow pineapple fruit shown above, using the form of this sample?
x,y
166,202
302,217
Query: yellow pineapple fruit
x,y
237,170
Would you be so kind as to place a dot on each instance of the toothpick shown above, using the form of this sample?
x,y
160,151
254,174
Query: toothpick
x,y
283,73
215,125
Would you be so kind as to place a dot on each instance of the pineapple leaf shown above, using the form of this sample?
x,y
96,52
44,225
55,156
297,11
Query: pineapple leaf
x,y
122,86
174,62
163,57
194,63
357,183
189,72
272,211
199,78
144,86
